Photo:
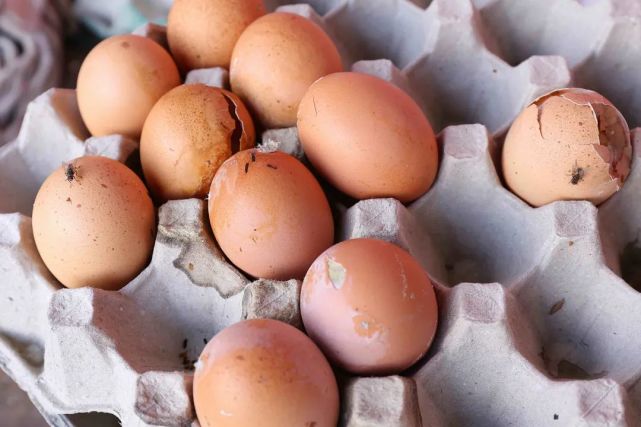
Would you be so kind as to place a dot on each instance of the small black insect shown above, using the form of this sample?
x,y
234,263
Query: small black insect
x,y
72,173
577,174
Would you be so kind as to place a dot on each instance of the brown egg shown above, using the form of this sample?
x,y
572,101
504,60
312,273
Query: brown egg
x,y
367,137
274,62
571,144
120,80
188,134
202,33
269,214
94,223
369,306
264,373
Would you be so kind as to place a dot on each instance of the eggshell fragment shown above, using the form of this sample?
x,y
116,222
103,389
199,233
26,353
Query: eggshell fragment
x,y
369,306
120,80
274,62
94,223
367,137
571,144
188,134
202,33
269,214
264,373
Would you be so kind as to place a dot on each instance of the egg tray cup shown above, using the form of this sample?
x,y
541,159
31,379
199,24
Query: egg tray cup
x,y
536,325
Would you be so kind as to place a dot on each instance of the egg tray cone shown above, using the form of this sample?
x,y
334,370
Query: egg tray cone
x,y
536,325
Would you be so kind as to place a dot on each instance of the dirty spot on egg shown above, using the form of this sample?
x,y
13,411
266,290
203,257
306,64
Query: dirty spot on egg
x,y
336,273
365,326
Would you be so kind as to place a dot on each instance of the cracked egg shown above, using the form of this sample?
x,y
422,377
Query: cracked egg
x,y
570,144
369,306
188,134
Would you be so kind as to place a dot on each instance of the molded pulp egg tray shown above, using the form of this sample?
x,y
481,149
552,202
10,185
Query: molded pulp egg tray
x,y
539,318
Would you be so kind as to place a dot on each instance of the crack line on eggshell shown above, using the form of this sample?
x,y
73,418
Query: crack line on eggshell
x,y
239,130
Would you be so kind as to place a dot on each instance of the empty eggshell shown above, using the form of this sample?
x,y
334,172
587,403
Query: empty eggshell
x,y
94,223
264,373
202,33
269,214
274,62
570,144
367,137
369,306
188,134
120,80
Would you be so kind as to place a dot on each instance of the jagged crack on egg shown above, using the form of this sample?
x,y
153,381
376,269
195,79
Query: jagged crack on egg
x,y
570,144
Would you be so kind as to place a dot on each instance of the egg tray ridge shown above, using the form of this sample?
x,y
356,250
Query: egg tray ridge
x,y
556,343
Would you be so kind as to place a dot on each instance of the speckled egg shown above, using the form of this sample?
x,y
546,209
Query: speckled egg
x,y
120,80
274,62
264,373
94,223
188,134
369,306
570,144
269,214
202,33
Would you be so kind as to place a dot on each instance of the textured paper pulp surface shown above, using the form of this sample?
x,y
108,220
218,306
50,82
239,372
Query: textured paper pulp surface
x,y
539,316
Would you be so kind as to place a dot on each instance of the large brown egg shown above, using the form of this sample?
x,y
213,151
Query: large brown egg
x,y
369,306
274,62
202,33
264,373
571,144
94,223
367,137
188,134
120,80
269,214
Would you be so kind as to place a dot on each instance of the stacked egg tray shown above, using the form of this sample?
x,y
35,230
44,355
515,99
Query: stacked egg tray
x,y
539,318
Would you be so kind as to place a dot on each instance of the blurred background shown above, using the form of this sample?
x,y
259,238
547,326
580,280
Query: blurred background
x,y
42,43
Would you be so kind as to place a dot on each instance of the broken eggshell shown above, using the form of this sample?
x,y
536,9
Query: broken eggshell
x,y
188,134
570,144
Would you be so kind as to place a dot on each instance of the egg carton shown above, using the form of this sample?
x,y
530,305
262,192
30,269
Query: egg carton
x,y
31,55
537,327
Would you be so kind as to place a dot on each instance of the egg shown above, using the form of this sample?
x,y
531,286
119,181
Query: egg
x,y
94,223
269,214
275,60
120,80
202,33
264,373
570,144
367,137
369,306
188,134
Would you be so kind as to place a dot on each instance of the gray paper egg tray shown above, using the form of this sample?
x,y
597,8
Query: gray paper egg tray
x,y
539,319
